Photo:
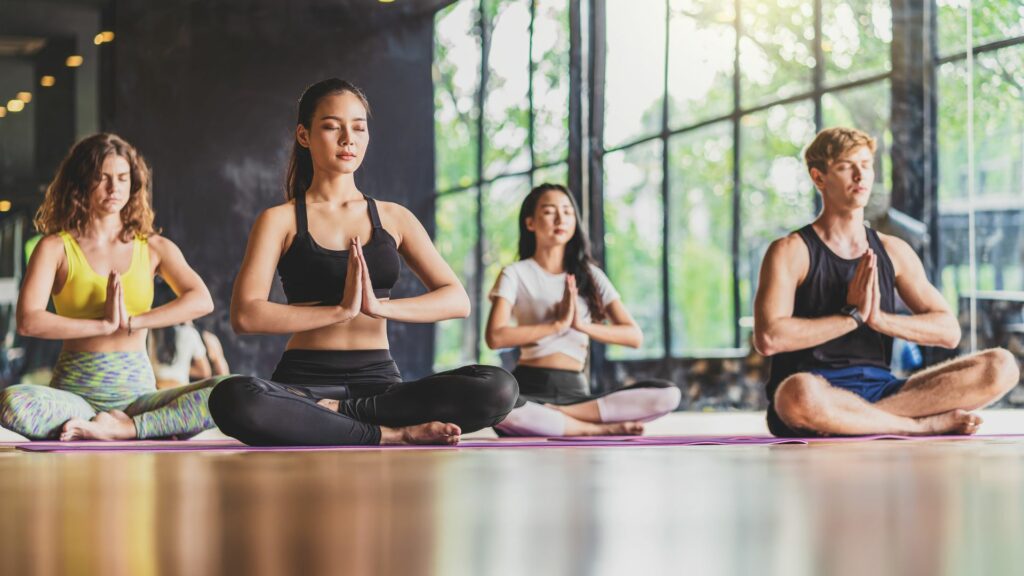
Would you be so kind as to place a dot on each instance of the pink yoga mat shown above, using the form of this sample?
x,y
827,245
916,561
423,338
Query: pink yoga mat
x,y
233,445
601,441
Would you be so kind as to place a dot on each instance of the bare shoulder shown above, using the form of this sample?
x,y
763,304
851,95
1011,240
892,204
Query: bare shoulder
x,y
50,244
790,250
398,220
896,247
162,246
787,258
900,253
280,215
395,212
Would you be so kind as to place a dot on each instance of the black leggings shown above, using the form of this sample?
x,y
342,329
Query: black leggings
x,y
370,393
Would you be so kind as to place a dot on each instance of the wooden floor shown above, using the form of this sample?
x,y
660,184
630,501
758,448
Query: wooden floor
x,y
884,507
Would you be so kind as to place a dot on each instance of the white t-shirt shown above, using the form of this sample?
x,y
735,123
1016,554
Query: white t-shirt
x,y
188,344
534,294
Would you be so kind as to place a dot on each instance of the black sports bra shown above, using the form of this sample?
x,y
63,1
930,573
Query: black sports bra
x,y
311,273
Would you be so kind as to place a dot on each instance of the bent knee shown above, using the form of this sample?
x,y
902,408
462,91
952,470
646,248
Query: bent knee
x,y
1004,372
798,398
502,387
667,400
231,393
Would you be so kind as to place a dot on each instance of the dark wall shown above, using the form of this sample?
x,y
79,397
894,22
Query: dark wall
x,y
207,92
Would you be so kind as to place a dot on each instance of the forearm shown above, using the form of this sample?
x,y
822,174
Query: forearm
x,y
443,303
263,317
188,306
509,336
928,329
621,334
50,326
788,334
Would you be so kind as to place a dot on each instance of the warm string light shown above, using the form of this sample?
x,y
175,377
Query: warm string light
x,y
17,104
5,205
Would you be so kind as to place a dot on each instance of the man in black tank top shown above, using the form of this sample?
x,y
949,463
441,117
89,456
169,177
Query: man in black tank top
x,y
825,313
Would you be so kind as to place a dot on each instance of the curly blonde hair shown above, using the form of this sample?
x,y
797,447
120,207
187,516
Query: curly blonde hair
x,y
66,206
831,143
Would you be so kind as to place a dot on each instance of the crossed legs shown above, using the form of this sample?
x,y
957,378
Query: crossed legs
x,y
938,400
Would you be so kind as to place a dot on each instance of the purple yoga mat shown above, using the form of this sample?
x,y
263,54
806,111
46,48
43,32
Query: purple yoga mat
x,y
233,445
562,442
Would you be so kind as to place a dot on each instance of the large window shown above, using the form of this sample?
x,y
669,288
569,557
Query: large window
x,y
702,147
980,77
701,111
501,70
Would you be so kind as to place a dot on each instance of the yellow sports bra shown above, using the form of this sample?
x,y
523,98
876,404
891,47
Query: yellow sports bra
x,y
84,294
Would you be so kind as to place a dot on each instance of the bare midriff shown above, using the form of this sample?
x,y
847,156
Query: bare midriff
x,y
557,361
360,333
120,341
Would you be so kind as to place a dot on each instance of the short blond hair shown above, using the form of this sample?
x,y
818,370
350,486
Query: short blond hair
x,y
832,143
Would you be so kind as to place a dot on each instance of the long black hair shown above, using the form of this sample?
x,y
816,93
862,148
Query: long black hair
x,y
300,166
577,260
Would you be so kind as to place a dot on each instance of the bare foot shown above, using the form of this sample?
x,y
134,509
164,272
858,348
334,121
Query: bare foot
x,y
429,433
113,425
580,428
331,405
952,422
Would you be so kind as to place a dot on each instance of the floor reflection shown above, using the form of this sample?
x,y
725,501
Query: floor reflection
x,y
864,508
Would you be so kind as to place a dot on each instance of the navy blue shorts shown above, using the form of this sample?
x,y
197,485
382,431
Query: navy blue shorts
x,y
869,382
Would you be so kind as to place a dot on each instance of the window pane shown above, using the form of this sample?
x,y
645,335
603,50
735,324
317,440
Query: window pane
x,y
633,210
993,20
456,241
998,178
456,80
557,174
700,233
506,112
702,51
997,20
635,63
777,195
776,57
501,203
551,81
866,108
855,38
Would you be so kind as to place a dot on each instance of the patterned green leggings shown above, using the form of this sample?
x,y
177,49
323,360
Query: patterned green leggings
x,y
85,383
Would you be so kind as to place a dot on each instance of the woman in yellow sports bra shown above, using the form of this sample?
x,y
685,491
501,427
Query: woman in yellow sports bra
x,y
97,261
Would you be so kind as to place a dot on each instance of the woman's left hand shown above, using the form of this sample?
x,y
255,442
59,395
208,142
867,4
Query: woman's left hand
x,y
371,306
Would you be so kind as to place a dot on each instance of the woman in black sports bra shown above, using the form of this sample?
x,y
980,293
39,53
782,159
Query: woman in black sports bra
x,y
338,253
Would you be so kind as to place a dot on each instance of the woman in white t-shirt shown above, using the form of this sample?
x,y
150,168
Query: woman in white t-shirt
x,y
560,300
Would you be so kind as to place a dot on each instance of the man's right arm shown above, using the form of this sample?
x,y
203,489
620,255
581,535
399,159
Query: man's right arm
x,y
775,329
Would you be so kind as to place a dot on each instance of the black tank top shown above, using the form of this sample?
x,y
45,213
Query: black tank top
x,y
823,293
311,273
